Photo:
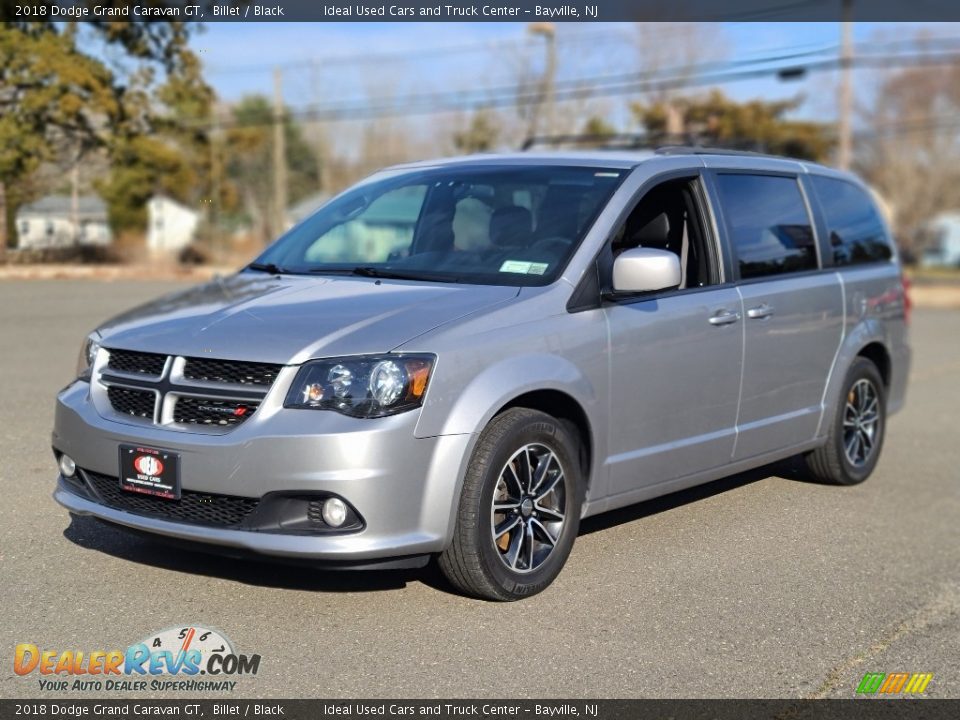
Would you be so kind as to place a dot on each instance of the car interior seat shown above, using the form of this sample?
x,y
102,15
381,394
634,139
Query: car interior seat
x,y
511,226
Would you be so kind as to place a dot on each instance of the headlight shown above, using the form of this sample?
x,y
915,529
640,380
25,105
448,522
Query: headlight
x,y
88,354
365,387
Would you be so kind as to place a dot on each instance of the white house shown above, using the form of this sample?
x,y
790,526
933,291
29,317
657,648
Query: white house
x,y
51,222
170,225
943,241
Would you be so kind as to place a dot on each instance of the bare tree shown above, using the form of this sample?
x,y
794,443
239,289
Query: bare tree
x,y
910,149
674,51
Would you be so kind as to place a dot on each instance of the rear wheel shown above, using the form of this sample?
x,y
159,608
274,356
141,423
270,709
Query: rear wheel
x,y
519,510
855,437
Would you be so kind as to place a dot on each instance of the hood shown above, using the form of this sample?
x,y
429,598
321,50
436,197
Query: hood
x,y
292,318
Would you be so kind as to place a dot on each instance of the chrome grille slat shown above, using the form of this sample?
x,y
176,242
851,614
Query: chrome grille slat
x,y
189,393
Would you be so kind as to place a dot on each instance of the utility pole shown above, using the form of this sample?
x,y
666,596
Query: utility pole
x,y
75,195
320,149
279,157
215,171
75,200
549,32
845,95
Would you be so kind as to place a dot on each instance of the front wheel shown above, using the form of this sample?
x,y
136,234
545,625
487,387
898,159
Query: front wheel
x,y
519,510
856,433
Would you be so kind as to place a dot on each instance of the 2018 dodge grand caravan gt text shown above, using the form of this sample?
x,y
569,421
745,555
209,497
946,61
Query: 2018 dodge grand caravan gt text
x,y
464,358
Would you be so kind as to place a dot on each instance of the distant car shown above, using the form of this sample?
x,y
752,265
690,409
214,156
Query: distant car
x,y
551,337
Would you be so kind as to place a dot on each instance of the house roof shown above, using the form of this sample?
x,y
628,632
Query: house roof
x,y
88,207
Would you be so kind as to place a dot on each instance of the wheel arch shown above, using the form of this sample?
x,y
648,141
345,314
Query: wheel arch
x,y
877,353
563,407
541,381
868,340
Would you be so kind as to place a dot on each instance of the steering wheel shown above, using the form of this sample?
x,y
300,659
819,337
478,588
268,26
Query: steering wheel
x,y
555,245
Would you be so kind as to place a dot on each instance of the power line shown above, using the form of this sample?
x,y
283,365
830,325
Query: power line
x,y
368,58
765,13
530,92
583,88
563,40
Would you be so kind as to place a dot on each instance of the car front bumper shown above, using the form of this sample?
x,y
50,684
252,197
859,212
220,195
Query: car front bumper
x,y
403,487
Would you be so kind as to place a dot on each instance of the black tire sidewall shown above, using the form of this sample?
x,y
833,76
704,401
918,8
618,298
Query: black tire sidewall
x,y
547,431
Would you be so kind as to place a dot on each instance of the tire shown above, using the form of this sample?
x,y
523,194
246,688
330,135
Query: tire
x,y
515,566
832,463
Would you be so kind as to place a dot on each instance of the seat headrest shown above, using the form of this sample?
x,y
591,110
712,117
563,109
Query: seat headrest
x,y
511,226
655,232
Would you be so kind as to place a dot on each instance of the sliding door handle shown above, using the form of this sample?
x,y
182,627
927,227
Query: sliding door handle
x,y
724,317
760,312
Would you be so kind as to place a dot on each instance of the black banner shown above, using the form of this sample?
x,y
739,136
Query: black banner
x,y
494,11
146,709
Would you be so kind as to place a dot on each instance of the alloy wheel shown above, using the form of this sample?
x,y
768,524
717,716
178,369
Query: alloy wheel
x,y
861,421
527,512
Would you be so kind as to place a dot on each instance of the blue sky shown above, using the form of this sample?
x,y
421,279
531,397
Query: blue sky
x,y
240,56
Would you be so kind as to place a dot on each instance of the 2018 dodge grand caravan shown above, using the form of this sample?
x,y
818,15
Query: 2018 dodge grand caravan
x,y
464,358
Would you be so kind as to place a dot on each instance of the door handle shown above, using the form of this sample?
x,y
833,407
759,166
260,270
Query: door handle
x,y
760,312
724,317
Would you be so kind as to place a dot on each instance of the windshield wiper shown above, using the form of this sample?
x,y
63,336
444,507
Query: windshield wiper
x,y
271,268
374,272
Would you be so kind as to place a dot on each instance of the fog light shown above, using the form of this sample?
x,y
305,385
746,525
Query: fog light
x,y
335,512
67,466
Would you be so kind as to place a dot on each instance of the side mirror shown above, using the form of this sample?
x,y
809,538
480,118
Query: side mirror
x,y
645,270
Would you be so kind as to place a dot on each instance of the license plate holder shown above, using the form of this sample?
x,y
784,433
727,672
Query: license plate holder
x,y
150,471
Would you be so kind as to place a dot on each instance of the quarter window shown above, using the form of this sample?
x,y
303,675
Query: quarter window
x,y
857,233
768,224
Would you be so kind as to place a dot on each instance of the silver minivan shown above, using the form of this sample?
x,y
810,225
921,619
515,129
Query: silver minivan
x,y
462,359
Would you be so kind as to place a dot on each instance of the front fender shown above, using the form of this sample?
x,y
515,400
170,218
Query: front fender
x,y
454,410
471,407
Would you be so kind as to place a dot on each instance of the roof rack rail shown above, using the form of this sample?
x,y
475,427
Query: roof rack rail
x,y
614,140
661,143
706,150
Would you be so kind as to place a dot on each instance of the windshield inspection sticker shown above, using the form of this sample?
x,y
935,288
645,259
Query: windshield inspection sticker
x,y
522,266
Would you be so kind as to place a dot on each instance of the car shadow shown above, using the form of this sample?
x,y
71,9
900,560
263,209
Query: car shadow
x,y
117,542
91,534
790,469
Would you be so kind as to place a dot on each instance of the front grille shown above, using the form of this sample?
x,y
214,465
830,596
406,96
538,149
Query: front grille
x,y
195,398
138,403
137,363
207,411
192,507
229,371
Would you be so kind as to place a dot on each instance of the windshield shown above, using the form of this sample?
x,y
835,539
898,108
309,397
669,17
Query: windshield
x,y
489,225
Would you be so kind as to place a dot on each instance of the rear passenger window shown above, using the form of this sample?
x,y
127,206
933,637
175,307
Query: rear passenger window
x,y
768,224
857,233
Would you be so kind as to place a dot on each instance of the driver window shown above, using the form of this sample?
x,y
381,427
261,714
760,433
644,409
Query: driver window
x,y
383,230
668,218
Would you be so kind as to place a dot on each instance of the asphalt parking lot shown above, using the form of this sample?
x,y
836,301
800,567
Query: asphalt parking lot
x,y
761,585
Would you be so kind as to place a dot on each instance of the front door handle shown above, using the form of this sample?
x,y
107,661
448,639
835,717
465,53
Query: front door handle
x,y
724,317
760,312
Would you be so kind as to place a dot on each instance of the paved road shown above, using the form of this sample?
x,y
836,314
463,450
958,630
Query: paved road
x,y
755,586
